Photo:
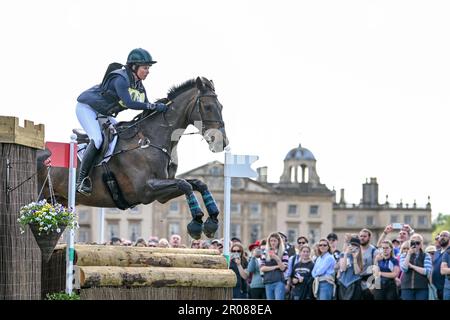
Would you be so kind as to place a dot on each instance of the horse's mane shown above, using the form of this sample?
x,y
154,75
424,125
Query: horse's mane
x,y
176,90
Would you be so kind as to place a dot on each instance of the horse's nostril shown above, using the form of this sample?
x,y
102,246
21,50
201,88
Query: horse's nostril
x,y
213,138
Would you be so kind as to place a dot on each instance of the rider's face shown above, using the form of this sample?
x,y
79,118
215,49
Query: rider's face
x,y
142,72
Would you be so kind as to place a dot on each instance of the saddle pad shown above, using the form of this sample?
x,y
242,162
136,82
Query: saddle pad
x,y
112,145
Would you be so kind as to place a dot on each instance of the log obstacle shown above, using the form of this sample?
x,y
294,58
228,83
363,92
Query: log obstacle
x,y
20,257
115,272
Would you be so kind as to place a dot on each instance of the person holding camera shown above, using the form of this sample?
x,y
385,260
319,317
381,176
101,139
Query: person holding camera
x,y
300,278
238,263
416,266
350,268
257,289
386,269
273,264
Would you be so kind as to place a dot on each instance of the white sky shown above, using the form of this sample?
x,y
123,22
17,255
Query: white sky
x,y
363,84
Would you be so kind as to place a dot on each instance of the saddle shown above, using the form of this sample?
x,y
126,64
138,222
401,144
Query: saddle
x,y
124,130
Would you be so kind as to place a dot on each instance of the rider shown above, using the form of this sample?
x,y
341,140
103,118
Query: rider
x,y
119,90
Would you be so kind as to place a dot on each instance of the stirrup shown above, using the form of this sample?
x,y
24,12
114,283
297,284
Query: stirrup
x,y
85,190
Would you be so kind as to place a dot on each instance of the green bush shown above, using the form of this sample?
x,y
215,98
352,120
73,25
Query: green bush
x,y
62,296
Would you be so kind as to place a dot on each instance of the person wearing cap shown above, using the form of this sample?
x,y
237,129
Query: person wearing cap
x,y
257,289
153,241
350,268
289,247
386,270
120,89
396,245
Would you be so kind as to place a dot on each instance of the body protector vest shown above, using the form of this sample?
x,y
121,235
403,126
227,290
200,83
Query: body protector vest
x,y
103,98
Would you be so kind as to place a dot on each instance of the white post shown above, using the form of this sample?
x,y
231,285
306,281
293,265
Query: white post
x,y
227,204
70,252
101,226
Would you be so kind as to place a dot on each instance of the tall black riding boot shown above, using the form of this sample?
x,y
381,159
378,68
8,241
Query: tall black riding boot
x,y
84,185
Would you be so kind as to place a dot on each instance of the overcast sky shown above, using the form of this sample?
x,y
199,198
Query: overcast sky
x,y
364,85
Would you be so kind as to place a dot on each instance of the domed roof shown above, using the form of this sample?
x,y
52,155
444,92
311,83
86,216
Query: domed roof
x,y
299,153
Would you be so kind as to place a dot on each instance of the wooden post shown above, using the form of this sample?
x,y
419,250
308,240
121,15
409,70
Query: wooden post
x,y
20,257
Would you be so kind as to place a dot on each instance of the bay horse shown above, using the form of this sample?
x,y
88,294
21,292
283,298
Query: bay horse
x,y
144,161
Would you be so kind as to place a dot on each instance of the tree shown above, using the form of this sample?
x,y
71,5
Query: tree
x,y
442,222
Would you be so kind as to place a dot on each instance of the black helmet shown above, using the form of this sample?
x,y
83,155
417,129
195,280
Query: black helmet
x,y
140,56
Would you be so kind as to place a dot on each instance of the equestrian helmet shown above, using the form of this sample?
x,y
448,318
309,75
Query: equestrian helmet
x,y
140,56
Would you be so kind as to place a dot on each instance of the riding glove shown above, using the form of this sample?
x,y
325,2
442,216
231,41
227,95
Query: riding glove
x,y
158,106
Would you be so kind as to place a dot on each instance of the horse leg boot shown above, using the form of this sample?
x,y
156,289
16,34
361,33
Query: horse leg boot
x,y
84,185
194,227
212,223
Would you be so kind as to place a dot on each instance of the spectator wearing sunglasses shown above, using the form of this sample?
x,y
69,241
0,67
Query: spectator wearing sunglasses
x,y
416,266
324,283
238,264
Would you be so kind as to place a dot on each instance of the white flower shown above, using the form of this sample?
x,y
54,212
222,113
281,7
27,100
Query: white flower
x,y
58,230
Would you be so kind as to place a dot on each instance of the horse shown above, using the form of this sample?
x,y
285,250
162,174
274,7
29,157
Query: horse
x,y
144,162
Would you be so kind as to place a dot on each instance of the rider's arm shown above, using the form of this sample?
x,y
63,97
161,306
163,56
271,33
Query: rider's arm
x,y
121,87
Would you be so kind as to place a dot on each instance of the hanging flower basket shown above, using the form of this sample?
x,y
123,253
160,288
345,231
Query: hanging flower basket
x,y
47,222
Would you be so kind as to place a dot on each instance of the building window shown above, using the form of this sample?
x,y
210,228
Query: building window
x,y
423,221
237,183
292,235
83,235
235,230
255,209
314,233
134,210
235,209
113,210
83,216
113,229
394,218
314,210
334,219
174,207
351,221
369,220
134,230
255,232
408,219
174,228
215,171
292,210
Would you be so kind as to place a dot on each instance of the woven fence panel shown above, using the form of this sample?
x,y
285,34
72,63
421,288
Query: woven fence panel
x,y
20,257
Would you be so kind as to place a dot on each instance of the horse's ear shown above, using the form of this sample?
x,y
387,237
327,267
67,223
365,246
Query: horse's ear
x,y
200,84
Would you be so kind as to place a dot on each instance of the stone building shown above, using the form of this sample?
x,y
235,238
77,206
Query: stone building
x,y
299,204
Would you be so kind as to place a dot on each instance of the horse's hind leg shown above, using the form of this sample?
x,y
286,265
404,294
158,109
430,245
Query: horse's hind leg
x,y
171,188
212,223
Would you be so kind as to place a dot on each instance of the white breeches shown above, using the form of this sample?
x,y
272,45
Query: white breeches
x,y
88,120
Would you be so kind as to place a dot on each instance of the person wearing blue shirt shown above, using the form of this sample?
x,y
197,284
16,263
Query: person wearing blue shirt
x,y
437,278
323,272
120,89
386,269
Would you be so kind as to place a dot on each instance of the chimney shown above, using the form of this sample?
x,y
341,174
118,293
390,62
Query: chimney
x,y
342,201
262,174
370,193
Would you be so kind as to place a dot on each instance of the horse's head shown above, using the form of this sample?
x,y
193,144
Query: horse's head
x,y
209,110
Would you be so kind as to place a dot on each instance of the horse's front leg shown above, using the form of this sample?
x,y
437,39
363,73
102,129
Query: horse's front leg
x,y
166,189
212,223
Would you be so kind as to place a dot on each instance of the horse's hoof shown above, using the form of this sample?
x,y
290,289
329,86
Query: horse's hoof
x,y
210,227
194,228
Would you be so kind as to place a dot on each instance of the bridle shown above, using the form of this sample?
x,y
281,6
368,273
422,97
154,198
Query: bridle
x,y
198,104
